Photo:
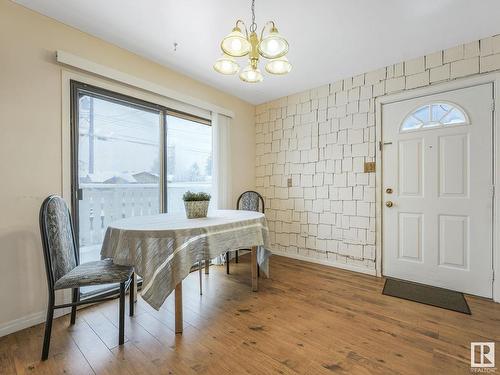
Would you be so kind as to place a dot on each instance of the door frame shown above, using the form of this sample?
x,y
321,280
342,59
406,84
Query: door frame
x,y
494,79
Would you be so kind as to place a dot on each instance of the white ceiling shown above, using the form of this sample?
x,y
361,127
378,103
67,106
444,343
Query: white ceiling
x,y
329,39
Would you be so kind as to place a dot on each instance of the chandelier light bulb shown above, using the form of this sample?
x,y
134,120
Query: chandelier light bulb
x,y
279,66
273,45
226,65
251,75
235,44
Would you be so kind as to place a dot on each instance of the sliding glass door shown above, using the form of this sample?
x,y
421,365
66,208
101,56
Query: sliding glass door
x,y
117,166
131,158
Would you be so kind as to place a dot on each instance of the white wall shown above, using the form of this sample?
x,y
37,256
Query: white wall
x,y
321,139
31,141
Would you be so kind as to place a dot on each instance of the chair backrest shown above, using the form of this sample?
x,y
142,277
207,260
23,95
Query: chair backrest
x,y
250,201
58,240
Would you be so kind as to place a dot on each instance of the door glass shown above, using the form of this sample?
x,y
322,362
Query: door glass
x,y
189,160
119,153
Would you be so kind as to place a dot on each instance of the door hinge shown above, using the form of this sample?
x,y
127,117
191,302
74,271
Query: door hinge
x,y
493,105
493,191
493,276
380,144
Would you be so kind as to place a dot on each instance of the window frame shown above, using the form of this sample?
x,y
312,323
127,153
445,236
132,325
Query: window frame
x,y
76,89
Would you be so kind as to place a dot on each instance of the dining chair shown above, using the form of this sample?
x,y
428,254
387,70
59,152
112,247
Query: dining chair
x,y
250,201
64,270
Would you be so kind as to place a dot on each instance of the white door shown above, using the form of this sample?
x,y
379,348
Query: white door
x,y
437,173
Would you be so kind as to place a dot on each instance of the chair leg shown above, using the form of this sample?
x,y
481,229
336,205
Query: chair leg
x,y
121,327
200,273
227,262
236,256
207,266
75,298
131,296
48,327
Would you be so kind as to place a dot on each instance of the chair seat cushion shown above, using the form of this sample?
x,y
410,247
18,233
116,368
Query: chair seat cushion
x,y
94,273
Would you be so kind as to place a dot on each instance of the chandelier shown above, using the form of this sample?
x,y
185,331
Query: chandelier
x,y
271,46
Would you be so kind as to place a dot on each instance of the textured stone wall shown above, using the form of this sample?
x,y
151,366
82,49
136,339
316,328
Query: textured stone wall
x,y
320,140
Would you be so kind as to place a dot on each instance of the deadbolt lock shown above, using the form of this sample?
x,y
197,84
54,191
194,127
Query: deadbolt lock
x,y
389,204
388,190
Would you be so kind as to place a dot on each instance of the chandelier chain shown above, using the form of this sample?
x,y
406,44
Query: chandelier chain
x,y
253,26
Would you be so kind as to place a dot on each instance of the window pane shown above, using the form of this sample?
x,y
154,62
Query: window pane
x,y
411,123
423,114
454,117
439,110
189,160
118,168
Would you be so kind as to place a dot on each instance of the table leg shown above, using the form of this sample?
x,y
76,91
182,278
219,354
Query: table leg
x,y
135,287
178,308
200,264
255,280
207,266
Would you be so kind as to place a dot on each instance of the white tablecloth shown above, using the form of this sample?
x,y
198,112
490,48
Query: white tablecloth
x,y
162,248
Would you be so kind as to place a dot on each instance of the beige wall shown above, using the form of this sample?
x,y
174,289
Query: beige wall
x,y
30,141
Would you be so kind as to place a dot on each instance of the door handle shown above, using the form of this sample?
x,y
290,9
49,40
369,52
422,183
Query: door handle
x,y
389,204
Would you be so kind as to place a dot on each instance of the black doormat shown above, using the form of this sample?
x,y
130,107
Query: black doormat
x,y
426,294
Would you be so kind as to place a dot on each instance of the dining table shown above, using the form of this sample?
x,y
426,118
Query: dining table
x,y
163,248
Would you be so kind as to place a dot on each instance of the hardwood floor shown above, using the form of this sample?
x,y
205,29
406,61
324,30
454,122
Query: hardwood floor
x,y
306,319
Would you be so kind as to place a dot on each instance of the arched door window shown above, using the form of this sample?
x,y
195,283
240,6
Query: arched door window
x,y
434,115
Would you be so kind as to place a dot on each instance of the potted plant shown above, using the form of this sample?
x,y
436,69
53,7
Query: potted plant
x,y
196,204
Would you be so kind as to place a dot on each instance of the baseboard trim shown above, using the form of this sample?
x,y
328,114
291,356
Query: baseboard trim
x,y
344,266
27,321
21,323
